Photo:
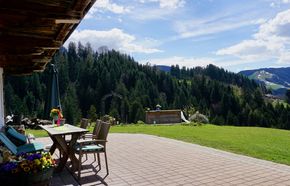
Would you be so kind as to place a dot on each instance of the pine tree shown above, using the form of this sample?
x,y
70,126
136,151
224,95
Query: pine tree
x,y
92,113
288,96
71,109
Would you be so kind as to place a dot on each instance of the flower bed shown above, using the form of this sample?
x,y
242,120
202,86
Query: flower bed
x,y
27,169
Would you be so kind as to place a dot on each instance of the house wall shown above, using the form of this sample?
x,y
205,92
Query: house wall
x,y
163,116
2,122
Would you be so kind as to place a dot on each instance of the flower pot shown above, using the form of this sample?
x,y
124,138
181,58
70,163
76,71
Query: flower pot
x,y
39,179
27,179
54,119
62,121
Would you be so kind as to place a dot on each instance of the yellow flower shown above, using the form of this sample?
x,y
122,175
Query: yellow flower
x,y
49,162
23,164
37,162
26,169
14,171
54,111
44,162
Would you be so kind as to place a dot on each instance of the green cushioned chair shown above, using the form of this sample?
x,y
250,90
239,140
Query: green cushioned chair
x,y
17,138
32,147
94,146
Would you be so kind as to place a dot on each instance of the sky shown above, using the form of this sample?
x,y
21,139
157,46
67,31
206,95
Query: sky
x,y
234,35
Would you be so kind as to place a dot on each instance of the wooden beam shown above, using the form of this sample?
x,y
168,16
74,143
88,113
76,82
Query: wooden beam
x,y
35,33
24,61
17,41
42,14
31,31
23,70
67,21
21,51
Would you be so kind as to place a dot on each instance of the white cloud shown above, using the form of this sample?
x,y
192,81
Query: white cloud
x,y
114,39
106,5
181,61
284,57
248,50
271,42
146,14
278,3
209,26
169,4
167,10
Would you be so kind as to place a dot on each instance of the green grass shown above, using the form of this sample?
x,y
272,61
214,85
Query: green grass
x,y
37,133
263,143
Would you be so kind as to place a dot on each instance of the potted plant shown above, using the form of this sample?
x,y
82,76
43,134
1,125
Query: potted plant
x,y
56,116
26,169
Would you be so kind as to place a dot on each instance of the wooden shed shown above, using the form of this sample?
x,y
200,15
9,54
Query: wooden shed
x,y
163,116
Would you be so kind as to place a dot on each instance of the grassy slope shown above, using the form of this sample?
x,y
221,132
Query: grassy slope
x,y
263,143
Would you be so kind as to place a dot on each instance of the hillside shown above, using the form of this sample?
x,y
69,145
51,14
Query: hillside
x,y
89,83
164,68
275,79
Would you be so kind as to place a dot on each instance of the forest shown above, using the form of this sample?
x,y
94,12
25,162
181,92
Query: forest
x,y
94,83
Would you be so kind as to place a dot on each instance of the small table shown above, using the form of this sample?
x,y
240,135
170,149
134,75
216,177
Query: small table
x,y
57,134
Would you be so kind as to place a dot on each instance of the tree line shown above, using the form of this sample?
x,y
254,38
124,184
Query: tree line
x,y
93,84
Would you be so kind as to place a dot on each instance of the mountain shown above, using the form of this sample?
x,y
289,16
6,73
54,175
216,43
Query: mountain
x,y
163,68
93,83
276,79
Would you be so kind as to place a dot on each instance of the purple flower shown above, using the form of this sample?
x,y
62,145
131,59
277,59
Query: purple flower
x,y
8,167
33,157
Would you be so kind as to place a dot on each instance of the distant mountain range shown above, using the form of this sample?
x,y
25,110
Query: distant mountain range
x,y
163,68
276,79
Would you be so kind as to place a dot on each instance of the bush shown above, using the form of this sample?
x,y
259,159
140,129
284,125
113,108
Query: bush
x,y
198,118
140,122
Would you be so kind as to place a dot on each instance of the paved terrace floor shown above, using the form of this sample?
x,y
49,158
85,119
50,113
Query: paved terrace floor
x,y
137,159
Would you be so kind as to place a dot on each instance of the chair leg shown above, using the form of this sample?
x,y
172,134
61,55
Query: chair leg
x,y
59,153
95,157
99,162
80,166
86,156
107,168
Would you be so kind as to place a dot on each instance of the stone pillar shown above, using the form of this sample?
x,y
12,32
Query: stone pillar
x,y
2,121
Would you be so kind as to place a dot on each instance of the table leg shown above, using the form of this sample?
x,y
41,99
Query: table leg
x,y
71,152
53,147
61,143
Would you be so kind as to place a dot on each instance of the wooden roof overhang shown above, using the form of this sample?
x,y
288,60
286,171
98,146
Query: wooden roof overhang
x,y
31,31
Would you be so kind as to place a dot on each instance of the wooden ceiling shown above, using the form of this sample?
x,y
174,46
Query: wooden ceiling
x,y
31,31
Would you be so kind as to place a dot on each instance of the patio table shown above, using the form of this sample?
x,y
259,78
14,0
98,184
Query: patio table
x,y
57,134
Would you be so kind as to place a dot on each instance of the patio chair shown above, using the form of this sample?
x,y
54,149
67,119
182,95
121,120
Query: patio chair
x,y
89,136
32,147
94,146
95,132
84,123
18,138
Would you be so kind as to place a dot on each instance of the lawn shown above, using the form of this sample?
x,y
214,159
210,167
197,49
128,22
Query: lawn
x,y
263,143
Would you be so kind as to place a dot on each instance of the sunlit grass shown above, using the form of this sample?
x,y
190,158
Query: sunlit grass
x,y
263,143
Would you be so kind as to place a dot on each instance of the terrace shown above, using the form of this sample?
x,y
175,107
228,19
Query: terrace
x,y
32,31
138,159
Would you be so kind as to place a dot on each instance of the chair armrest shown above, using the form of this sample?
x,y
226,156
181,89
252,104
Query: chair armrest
x,y
84,141
90,136
81,141
30,138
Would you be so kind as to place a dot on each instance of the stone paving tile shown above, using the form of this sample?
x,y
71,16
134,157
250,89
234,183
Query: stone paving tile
x,y
141,160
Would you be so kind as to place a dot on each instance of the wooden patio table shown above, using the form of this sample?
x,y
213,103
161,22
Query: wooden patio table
x,y
57,134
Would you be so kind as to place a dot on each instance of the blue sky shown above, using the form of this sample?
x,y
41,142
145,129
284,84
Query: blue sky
x,y
235,35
